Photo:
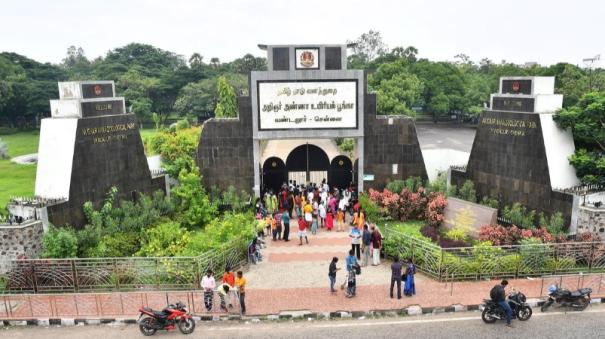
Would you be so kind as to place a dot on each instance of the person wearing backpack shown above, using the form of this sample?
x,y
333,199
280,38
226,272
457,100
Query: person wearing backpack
x,y
498,295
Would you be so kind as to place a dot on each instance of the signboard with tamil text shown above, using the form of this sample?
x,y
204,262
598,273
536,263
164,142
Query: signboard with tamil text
x,y
329,104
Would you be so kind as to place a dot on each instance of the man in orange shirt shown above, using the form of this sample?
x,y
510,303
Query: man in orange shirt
x,y
229,279
240,282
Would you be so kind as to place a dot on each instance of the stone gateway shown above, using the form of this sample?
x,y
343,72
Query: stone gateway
x,y
306,98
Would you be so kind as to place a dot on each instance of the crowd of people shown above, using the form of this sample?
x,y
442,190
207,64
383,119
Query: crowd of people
x,y
232,288
314,205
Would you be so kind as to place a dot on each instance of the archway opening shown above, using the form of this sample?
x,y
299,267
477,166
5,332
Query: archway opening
x,y
274,174
341,172
308,164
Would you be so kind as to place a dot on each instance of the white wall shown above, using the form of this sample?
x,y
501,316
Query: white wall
x,y
437,160
559,146
55,157
549,103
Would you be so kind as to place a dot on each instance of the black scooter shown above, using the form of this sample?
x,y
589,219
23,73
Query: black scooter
x,y
578,300
516,300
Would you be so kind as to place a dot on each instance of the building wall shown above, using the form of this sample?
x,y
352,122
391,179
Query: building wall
x,y
225,150
18,241
389,141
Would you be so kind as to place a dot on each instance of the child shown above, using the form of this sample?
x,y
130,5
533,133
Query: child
x,y
351,284
268,223
322,213
274,228
329,221
302,231
314,226
340,220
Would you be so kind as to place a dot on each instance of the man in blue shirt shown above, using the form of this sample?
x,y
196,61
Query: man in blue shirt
x,y
351,260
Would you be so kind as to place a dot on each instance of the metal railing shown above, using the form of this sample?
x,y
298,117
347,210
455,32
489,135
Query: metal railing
x,y
119,274
484,262
103,305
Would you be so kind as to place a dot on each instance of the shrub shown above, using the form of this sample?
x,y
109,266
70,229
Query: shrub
x,y
166,239
500,235
554,224
518,215
370,207
467,191
59,243
491,202
449,243
436,206
456,234
430,232
534,254
192,200
182,124
221,231
413,184
396,186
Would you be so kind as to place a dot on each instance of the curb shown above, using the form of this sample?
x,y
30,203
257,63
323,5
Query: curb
x,y
414,310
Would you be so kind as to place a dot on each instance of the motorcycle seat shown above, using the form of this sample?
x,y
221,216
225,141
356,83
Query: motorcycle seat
x,y
585,290
160,314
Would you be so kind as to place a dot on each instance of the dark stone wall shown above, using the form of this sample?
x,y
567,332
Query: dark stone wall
x,y
101,161
385,145
508,162
225,154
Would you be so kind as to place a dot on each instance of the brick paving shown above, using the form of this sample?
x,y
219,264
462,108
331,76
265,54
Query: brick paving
x,y
291,277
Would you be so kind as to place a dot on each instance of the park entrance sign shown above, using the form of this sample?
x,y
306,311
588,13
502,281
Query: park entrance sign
x,y
306,97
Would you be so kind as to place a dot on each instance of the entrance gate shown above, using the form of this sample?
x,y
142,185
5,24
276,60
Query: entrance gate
x,y
308,164
274,174
341,172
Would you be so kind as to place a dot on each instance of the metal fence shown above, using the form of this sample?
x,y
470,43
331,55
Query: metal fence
x,y
103,305
119,274
484,262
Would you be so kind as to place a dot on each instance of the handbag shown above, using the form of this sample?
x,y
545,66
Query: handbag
x,y
357,269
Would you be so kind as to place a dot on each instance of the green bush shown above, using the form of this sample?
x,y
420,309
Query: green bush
x,y
59,243
533,254
182,124
221,231
371,209
166,239
413,184
554,224
467,191
193,203
518,215
491,202
396,186
456,234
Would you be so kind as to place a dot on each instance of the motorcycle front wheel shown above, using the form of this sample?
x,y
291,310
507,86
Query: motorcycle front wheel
x,y
524,313
487,317
147,326
186,326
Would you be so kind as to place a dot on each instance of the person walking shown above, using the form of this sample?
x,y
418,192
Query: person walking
x,y
302,231
409,287
322,214
355,241
376,245
240,283
285,219
208,284
396,277
297,204
329,221
351,284
332,274
498,295
308,211
340,220
366,245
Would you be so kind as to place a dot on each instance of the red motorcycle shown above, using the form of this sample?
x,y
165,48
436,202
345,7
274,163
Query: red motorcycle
x,y
170,317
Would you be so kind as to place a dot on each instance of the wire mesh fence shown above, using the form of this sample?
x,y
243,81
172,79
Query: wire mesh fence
x,y
485,262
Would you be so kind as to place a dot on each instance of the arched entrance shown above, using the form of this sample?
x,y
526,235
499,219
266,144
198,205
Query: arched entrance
x,y
274,174
341,172
308,164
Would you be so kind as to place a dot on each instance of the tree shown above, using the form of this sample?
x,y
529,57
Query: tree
x,y
192,200
215,62
587,122
248,63
196,60
367,47
139,91
397,90
226,106
439,105
76,64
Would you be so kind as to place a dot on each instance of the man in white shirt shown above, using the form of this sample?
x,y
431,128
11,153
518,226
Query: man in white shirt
x,y
208,285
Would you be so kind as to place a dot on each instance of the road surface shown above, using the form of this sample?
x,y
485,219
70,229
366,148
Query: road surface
x,y
585,325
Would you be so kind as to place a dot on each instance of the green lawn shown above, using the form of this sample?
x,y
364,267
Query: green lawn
x,y
19,180
410,227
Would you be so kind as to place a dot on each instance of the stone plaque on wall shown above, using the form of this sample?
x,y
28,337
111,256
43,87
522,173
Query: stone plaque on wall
x,y
468,216
105,107
513,104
